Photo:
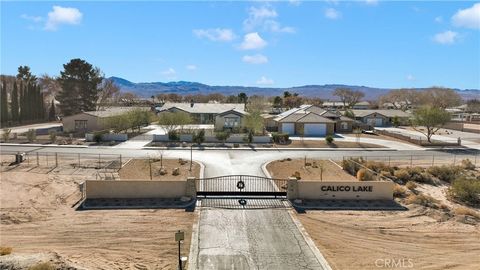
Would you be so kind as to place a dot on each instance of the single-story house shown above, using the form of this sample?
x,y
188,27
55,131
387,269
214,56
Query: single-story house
x,y
338,105
202,113
93,120
381,118
310,120
229,120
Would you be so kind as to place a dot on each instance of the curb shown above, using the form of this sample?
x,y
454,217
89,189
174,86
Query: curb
x,y
274,149
43,145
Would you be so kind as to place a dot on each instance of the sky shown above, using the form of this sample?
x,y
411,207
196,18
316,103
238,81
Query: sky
x,y
388,44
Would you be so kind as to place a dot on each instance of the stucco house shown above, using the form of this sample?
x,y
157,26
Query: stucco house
x,y
230,120
310,120
201,113
381,118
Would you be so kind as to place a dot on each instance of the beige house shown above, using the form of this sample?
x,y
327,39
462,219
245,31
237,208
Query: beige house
x,y
202,113
229,120
93,120
381,118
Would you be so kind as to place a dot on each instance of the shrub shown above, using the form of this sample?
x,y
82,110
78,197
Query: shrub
x,y
97,137
464,211
352,165
31,135
467,165
297,175
53,135
421,199
280,137
465,190
364,175
378,166
173,136
5,251
222,136
403,175
411,185
199,137
329,139
445,173
42,266
6,134
399,191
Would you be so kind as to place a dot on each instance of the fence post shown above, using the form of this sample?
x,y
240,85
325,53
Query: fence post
x,y
56,159
388,161
79,160
121,164
38,162
98,161
433,160
411,160
454,159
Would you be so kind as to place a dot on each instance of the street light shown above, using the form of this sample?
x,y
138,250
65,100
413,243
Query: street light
x,y
179,237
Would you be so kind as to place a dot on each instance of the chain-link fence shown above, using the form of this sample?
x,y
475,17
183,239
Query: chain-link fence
x,y
421,160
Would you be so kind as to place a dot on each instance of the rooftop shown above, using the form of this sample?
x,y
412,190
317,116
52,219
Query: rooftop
x,y
214,108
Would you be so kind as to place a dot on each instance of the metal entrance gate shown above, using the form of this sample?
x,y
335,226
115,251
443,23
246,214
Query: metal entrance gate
x,y
241,185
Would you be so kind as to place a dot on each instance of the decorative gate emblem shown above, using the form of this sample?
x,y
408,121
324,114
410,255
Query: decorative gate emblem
x,y
240,185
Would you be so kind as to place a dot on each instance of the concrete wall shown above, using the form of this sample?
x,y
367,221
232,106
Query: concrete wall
x,y
367,190
134,189
118,137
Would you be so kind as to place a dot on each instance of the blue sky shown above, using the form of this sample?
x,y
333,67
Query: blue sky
x,y
279,44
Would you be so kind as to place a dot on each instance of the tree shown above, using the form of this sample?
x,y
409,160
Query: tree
x,y
80,87
348,97
254,123
107,90
258,103
14,108
442,97
432,118
171,121
403,99
277,102
25,75
292,101
473,106
199,136
4,104
286,94
243,98
51,112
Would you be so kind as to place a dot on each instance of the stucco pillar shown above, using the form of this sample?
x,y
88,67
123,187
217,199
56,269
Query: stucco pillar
x,y
191,190
292,188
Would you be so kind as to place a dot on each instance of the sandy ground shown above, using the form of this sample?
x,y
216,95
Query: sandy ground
x,y
415,238
331,172
323,144
139,169
37,217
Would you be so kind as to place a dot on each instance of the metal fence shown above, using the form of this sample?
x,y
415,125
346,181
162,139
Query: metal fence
x,y
421,160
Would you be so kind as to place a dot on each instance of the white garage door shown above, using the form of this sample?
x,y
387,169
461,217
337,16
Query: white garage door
x,y
315,130
288,128
376,122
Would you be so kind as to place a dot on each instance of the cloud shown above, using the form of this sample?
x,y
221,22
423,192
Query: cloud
x,y
410,77
191,67
169,73
215,34
62,15
35,19
295,2
447,37
371,2
255,59
263,18
265,81
252,41
438,19
469,18
332,13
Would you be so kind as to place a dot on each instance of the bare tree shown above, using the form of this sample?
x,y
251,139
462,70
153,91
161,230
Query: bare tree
x,y
348,96
258,104
108,90
442,97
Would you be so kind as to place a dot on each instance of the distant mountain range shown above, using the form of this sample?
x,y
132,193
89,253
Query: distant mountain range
x,y
321,91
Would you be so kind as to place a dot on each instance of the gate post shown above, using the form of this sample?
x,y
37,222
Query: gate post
x,y
292,188
191,190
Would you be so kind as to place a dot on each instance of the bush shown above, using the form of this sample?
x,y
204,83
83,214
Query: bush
x,y
378,166
31,135
365,175
403,175
53,135
329,139
467,165
421,199
6,134
249,137
42,266
280,137
399,191
352,165
199,137
173,136
464,211
411,185
465,190
222,136
5,251
297,175
445,173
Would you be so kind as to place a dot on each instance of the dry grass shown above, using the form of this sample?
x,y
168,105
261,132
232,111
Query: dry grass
x,y
42,266
464,211
399,191
411,185
5,251
139,169
421,199
316,170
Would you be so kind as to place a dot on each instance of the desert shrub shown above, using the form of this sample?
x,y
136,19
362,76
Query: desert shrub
x,y
5,251
421,199
378,166
199,136
399,191
31,135
352,165
222,136
42,266
464,211
467,165
173,136
386,174
329,139
297,175
445,173
6,134
365,175
465,190
280,137
53,135
403,175
411,185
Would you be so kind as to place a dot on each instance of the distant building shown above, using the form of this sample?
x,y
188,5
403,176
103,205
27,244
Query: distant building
x,y
381,118
202,113
338,105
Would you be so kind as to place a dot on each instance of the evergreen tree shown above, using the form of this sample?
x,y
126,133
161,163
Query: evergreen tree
x,y
14,103
41,105
79,82
51,112
4,104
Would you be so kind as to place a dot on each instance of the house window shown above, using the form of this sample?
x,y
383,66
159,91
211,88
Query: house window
x,y
344,125
231,122
80,124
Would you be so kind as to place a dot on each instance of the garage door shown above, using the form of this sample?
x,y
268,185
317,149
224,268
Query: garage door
x,y
376,122
288,128
315,130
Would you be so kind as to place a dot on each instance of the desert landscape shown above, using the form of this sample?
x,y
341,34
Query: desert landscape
x,y
308,169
